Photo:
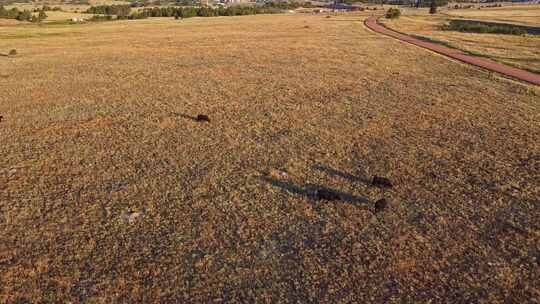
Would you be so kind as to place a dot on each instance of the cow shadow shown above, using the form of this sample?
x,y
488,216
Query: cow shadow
x,y
311,191
350,177
186,116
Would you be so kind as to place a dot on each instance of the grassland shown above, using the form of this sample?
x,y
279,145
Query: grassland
x,y
111,193
518,14
68,11
522,51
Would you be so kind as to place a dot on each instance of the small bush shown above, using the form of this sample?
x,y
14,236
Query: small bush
x,y
433,7
12,53
393,13
42,15
101,18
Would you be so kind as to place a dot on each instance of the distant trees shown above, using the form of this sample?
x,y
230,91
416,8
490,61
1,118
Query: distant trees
x,y
416,3
291,5
10,14
121,11
188,12
101,18
180,12
433,7
42,15
47,8
9,2
24,15
145,3
3,12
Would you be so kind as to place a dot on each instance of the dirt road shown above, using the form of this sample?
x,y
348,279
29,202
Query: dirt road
x,y
523,75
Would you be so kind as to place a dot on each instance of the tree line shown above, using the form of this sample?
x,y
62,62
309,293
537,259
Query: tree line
x,y
24,15
118,10
413,3
203,11
124,11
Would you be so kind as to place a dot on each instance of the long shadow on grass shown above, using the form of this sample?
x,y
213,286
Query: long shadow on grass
x,y
310,190
345,175
186,116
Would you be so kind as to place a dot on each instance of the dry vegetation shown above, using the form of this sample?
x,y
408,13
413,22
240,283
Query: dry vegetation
x,y
111,193
518,14
68,10
515,50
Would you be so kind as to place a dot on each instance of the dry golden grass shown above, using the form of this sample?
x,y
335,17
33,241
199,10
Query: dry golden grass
x,y
518,14
519,51
68,10
110,193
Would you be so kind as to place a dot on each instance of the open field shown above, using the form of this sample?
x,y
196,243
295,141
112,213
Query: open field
x,y
55,16
518,14
111,193
515,50
68,10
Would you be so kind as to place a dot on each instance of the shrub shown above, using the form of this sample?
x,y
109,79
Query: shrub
x,y
137,15
433,7
24,16
101,18
12,52
393,13
119,10
42,16
47,8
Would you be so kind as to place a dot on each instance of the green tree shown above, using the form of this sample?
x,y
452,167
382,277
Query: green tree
x,y
393,13
42,16
24,16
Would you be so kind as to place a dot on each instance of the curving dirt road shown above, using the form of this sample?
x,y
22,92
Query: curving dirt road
x,y
523,75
